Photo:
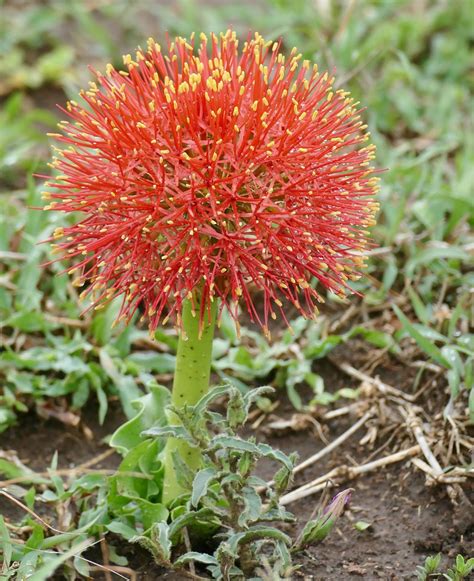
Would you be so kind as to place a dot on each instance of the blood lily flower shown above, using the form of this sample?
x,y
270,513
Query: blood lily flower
x,y
204,171
205,168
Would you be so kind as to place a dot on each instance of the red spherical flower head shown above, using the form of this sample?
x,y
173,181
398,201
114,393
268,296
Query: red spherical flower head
x,y
205,168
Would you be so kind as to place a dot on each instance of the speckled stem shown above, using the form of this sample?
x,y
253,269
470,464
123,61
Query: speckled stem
x,y
191,382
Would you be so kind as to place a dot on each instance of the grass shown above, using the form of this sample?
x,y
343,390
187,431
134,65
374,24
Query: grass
x,y
408,66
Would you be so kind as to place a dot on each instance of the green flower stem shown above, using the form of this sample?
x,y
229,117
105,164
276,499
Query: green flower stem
x,y
191,382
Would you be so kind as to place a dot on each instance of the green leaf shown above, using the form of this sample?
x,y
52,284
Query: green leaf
x,y
430,567
36,538
284,476
213,394
253,506
103,402
420,309
153,362
278,513
28,321
30,497
201,483
17,469
47,570
195,556
122,529
151,513
159,542
5,543
233,443
373,336
457,369
184,474
451,354
228,327
29,563
236,410
149,412
429,333
256,394
294,397
436,253
361,525
471,405
81,566
139,476
102,323
258,532
126,385
173,431
316,530
320,348
269,452
189,519
246,463
424,343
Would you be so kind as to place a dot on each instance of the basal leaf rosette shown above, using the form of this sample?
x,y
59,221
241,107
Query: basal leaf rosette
x,y
213,168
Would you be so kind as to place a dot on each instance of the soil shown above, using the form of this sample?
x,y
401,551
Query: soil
x,y
408,520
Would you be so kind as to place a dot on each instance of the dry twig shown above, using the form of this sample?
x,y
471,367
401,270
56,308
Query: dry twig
x,y
345,472
332,446
382,387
